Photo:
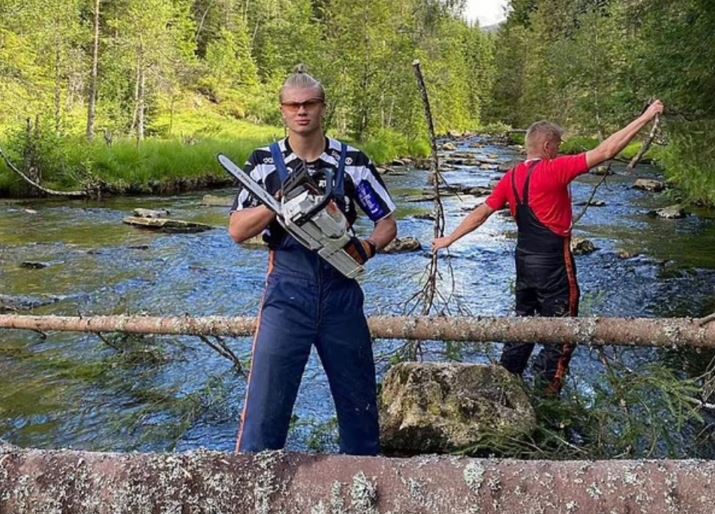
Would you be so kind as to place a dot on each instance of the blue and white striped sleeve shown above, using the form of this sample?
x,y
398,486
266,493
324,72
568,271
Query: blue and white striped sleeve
x,y
244,199
370,191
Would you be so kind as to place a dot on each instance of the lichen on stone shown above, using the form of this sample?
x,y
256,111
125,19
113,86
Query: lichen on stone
x,y
363,493
473,476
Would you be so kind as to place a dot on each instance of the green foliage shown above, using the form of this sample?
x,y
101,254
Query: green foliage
x,y
592,66
578,144
649,413
165,64
386,145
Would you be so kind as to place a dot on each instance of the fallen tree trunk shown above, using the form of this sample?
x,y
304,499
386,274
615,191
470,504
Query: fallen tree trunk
x,y
52,192
38,481
669,332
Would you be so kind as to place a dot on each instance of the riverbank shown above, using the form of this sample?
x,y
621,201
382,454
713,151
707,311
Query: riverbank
x,y
174,161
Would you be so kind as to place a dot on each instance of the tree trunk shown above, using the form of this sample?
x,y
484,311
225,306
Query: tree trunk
x,y
58,88
665,332
92,101
141,104
81,482
35,182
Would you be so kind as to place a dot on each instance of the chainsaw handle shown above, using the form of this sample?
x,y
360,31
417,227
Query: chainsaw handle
x,y
327,197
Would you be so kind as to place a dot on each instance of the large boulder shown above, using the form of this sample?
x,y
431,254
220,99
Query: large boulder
x,y
443,407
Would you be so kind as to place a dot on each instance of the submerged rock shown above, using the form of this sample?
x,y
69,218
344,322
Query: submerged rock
x,y
404,245
443,407
16,303
647,184
34,264
672,212
592,203
217,201
581,246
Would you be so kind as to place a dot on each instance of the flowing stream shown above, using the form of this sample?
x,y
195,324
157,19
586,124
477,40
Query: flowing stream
x,y
158,393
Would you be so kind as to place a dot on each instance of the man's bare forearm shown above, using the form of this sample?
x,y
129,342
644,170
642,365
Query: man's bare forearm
x,y
616,142
471,222
384,232
247,223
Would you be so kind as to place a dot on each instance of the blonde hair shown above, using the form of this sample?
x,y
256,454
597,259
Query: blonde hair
x,y
543,130
301,79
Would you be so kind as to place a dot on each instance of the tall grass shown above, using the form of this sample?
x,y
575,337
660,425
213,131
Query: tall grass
x,y
182,146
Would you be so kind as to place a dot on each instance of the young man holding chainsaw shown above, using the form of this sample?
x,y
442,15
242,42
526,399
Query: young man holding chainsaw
x,y
308,301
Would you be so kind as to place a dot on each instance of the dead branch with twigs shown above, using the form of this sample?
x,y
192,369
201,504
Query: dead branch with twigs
x,y
646,144
593,193
429,296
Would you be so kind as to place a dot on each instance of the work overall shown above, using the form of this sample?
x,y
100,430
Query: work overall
x,y
545,286
308,302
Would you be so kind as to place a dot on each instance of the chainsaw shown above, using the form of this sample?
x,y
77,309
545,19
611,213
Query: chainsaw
x,y
308,215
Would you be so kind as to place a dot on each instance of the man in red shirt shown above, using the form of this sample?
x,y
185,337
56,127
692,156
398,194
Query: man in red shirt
x,y
538,196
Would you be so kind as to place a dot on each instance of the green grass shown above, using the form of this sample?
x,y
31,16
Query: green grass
x,y
578,144
385,146
184,147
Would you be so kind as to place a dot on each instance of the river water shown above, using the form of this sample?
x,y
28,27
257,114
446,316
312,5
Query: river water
x,y
159,393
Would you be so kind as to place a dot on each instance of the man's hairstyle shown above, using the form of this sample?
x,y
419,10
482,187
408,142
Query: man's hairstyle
x,y
302,80
543,130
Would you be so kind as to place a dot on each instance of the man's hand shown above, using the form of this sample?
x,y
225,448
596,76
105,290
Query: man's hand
x,y
361,250
440,242
654,109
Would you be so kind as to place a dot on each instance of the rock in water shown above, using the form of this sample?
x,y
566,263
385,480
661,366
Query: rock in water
x,y
167,225
672,212
151,213
647,184
580,246
443,407
601,170
404,245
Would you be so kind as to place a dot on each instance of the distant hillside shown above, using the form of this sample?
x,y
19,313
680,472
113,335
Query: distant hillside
x,y
492,28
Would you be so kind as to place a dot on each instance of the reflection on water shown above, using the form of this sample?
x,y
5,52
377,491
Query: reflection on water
x,y
173,392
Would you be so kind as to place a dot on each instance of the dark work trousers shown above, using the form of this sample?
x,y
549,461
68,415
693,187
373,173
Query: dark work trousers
x,y
307,302
545,286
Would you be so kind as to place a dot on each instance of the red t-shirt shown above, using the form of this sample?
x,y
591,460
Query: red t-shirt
x,y
549,195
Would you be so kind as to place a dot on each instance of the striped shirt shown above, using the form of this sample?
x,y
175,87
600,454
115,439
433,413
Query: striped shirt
x,y
363,185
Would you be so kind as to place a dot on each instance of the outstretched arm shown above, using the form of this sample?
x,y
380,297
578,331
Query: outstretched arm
x,y
616,142
473,221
